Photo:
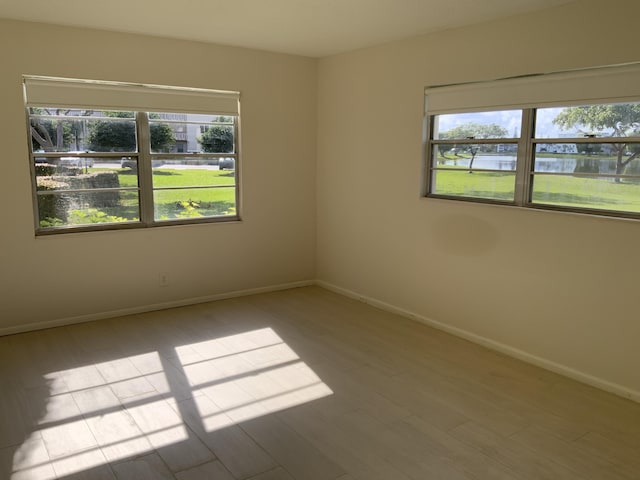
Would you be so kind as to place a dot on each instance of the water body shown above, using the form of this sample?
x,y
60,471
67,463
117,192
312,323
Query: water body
x,y
564,164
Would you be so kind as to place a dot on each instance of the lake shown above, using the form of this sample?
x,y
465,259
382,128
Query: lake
x,y
564,164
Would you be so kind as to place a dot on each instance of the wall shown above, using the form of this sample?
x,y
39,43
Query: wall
x,y
46,279
558,289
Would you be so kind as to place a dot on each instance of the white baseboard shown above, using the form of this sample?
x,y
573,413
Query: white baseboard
x,y
582,377
486,342
149,308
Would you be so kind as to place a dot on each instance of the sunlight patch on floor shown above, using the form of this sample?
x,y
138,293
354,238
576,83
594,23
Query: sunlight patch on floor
x,y
124,407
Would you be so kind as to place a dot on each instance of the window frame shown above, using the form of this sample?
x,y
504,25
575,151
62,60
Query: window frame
x,y
525,160
144,174
430,142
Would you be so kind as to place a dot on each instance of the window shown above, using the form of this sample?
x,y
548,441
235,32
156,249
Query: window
x,y
571,155
476,143
171,157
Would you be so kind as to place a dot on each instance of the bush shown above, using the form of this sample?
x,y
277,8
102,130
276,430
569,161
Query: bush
x,y
98,180
50,169
217,139
45,169
57,206
93,215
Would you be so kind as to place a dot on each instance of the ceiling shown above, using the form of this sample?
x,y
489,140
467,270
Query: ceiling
x,y
314,28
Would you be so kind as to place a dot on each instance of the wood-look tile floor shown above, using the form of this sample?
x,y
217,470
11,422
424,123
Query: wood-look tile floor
x,y
302,384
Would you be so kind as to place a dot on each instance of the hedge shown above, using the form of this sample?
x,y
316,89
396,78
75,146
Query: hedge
x,y
58,205
50,169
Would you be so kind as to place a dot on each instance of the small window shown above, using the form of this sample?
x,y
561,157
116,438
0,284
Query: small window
x,y
97,168
475,155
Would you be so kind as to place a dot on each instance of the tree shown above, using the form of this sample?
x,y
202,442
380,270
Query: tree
x,y
108,136
64,130
473,130
217,139
162,137
622,119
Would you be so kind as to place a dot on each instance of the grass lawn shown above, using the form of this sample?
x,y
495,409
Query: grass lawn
x,y
172,201
547,189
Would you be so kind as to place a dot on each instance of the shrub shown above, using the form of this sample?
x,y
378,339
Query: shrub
x,y
57,206
99,180
93,215
51,222
189,209
52,206
50,169
45,169
217,139
95,180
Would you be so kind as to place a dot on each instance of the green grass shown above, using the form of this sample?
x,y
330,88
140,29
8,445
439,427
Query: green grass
x,y
497,186
179,178
182,203
567,190
587,193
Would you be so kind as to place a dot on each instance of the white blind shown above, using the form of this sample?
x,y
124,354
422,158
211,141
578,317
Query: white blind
x,y
62,92
597,85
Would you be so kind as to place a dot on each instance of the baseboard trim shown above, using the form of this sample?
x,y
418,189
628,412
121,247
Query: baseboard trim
x,y
582,377
569,372
150,308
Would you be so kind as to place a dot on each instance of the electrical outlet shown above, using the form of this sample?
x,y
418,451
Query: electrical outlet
x,y
163,279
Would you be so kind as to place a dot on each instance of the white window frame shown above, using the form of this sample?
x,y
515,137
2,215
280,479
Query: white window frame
x,y
142,100
603,85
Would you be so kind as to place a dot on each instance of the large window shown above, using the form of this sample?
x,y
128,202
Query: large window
x,y
581,156
171,157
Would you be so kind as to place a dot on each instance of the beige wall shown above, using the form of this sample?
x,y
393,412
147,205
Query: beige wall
x,y
556,286
50,278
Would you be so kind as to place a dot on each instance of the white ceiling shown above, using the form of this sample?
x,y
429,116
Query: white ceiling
x,y
314,28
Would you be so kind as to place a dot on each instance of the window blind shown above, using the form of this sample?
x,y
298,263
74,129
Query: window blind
x,y
98,95
614,84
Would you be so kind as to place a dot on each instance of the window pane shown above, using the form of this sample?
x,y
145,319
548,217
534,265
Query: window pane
x,y
499,124
67,130
608,120
193,172
63,209
490,185
607,158
191,133
172,204
604,193
482,156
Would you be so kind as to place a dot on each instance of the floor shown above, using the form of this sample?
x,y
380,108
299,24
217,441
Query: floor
x,y
301,384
